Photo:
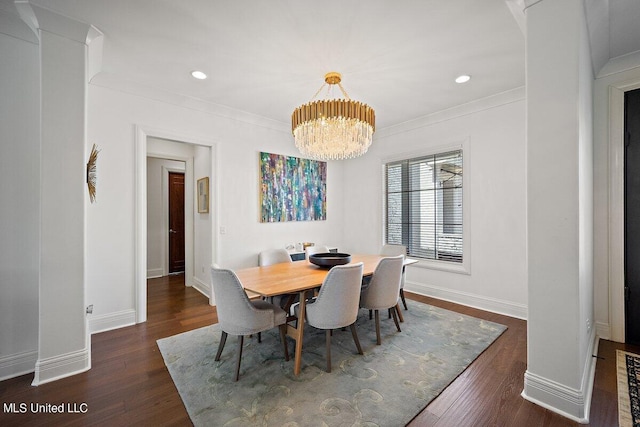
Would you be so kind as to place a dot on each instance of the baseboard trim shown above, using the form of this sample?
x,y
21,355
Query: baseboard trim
x,y
566,401
603,330
154,273
494,305
200,286
110,321
58,367
18,364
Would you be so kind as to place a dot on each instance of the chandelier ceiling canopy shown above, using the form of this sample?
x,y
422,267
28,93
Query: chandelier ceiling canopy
x,y
333,129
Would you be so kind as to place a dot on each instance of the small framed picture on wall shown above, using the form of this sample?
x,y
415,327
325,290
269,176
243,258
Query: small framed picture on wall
x,y
203,195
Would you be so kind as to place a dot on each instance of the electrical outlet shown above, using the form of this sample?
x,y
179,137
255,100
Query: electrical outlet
x,y
223,230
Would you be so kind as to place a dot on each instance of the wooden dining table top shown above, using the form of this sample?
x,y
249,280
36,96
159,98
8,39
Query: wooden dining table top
x,y
291,277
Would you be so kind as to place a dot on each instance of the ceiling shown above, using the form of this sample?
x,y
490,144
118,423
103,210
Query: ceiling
x,y
267,57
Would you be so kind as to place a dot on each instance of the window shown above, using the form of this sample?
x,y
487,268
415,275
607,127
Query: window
x,y
424,206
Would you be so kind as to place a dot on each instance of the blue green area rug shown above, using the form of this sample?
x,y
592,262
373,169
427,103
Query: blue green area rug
x,y
387,386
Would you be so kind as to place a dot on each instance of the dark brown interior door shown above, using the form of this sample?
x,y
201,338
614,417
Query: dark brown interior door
x,y
632,217
176,222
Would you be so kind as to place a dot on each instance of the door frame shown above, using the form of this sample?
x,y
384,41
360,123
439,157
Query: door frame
x,y
616,207
141,135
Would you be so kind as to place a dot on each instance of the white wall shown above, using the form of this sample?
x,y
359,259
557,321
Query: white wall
x,y
20,207
111,232
156,213
495,130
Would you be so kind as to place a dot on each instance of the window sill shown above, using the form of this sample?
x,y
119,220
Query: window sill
x,y
459,268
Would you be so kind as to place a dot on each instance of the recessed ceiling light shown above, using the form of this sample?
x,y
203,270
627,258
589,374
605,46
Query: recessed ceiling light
x,y
199,75
463,78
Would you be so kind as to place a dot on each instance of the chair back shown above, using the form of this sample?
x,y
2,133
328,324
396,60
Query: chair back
x,y
384,288
273,256
393,250
315,249
236,314
338,301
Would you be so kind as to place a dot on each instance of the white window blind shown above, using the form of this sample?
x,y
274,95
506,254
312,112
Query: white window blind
x,y
424,206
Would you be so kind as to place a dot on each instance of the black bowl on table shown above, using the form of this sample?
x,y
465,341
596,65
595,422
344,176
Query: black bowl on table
x,y
329,259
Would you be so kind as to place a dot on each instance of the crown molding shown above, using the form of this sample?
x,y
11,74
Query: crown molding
x,y
620,64
12,24
499,99
118,83
41,18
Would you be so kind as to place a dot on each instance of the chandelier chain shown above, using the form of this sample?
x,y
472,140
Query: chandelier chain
x,y
344,92
342,89
316,95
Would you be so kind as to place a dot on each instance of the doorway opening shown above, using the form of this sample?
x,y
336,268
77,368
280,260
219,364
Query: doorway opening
x,y
200,242
615,330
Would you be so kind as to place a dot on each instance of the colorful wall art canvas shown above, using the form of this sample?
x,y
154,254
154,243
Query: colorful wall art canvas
x,y
292,189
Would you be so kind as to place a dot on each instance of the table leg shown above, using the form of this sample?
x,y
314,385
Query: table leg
x,y
297,333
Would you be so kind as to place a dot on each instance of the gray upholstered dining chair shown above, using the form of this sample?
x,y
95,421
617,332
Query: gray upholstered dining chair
x,y
383,290
336,306
277,256
273,256
315,249
237,315
394,250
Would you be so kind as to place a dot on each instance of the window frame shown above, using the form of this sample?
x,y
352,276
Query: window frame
x,y
463,267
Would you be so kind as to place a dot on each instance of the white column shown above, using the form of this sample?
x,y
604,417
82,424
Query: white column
x,y
63,344
559,86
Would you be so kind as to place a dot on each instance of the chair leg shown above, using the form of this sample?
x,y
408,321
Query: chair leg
x,y
290,300
395,316
404,301
328,340
259,337
400,318
355,338
240,344
223,340
378,339
283,336
370,314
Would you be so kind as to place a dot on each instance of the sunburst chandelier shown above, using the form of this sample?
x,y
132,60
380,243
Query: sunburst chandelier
x,y
333,129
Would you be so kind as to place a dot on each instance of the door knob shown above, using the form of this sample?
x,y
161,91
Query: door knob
x,y
171,230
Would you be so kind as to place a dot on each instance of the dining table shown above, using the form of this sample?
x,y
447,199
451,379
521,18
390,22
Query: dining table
x,y
299,277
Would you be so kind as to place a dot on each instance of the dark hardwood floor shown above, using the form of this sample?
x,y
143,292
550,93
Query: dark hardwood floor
x,y
129,384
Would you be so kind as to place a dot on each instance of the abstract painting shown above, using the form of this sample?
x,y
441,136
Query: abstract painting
x,y
292,189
